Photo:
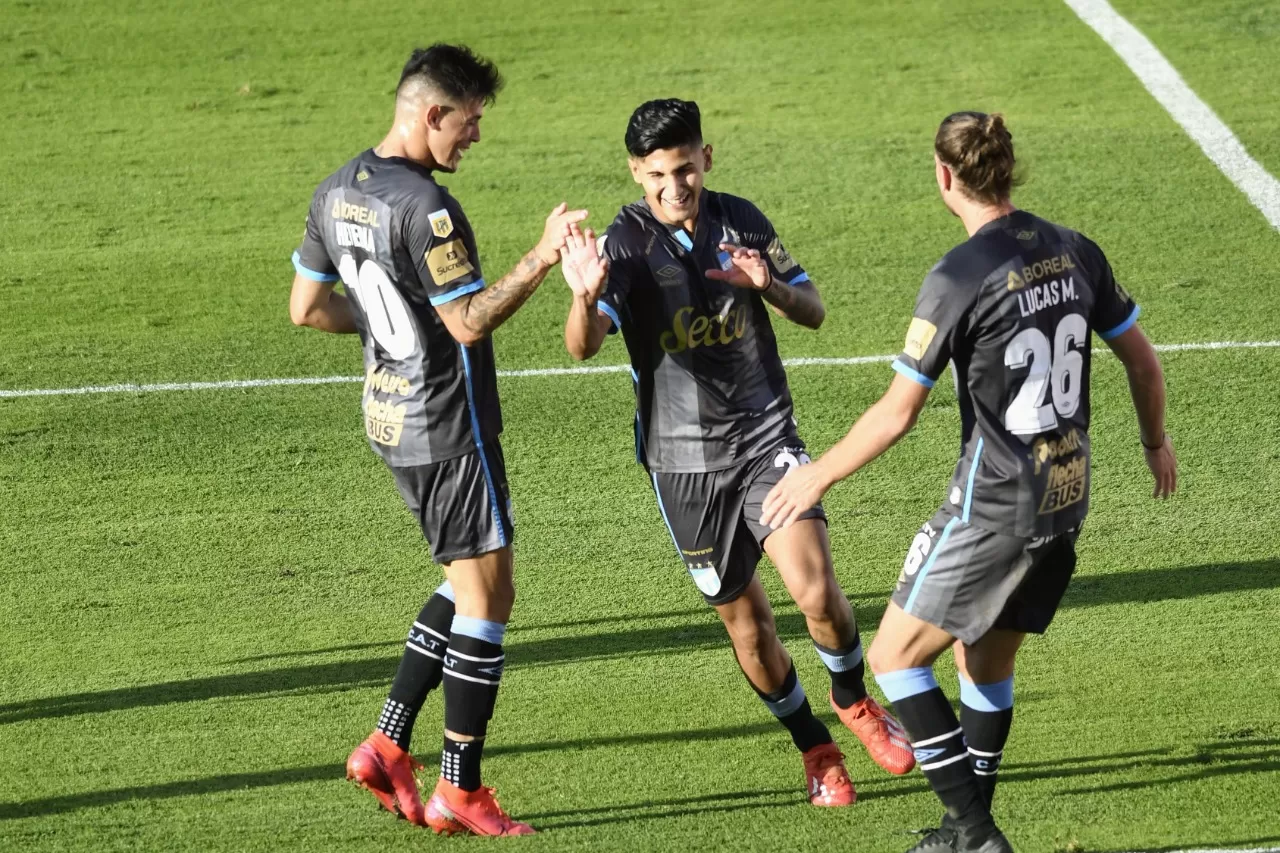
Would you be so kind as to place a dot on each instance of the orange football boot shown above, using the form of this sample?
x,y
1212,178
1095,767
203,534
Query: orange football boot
x,y
451,808
880,733
385,770
826,779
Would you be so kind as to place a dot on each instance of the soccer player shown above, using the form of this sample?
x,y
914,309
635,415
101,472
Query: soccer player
x,y
408,262
691,275
1011,309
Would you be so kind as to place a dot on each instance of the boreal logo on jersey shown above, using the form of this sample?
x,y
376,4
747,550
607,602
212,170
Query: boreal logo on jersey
x,y
690,330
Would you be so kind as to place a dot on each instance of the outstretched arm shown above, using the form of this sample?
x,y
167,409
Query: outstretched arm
x,y
472,318
586,272
888,420
1146,386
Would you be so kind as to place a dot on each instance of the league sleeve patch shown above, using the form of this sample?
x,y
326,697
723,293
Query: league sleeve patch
x,y
919,335
782,260
441,224
449,262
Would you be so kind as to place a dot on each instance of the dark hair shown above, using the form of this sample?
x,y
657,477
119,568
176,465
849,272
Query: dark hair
x,y
454,71
668,123
978,148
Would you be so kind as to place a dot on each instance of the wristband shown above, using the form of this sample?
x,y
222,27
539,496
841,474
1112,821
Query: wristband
x,y
1164,437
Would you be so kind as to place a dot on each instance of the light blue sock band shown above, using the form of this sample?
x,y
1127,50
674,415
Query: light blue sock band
x,y
788,704
446,589
987,698
844,662
903,683
481,629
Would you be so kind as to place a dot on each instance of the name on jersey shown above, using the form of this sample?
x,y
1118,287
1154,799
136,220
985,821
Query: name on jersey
x,y
354,213
1046,295
1040,269
690,331
376,380
350,234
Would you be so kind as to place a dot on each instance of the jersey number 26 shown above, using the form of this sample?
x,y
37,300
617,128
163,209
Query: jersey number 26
x,y
1030,413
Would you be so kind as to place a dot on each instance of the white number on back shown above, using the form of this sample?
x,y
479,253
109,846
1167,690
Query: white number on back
x,y
383,307
1030,412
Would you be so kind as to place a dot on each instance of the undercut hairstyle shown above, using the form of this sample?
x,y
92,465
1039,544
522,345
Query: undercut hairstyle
x,y
978,149
451,70
667,123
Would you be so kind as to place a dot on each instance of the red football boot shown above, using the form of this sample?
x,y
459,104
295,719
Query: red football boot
x,y
385,770
451,807
826,779
880,733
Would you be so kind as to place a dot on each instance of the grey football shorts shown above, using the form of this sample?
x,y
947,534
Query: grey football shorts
x,y
967,580
714,518
463,505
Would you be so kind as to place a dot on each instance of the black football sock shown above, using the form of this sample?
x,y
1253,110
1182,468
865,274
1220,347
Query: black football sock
x,y
938,742
421,667
986,713
848,671
789,704
473,670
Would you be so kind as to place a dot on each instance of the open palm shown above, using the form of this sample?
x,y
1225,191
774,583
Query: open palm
x,y
585,270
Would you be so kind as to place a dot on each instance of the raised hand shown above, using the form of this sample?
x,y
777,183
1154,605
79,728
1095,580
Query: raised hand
x,y
555,232
585,270
748,269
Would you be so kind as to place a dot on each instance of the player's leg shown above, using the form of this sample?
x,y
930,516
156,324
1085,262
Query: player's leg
x,y
771,673
986,701
382,763
954,583
986,667
479,566
802,554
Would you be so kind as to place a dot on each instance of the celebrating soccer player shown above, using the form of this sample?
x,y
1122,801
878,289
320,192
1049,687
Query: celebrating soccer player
x,y
1011,309
691,275
407,259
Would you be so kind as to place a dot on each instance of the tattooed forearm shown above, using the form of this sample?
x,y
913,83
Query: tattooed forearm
x,y
800,304
490,308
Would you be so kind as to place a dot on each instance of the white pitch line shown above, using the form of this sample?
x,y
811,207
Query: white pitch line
x,y
1166,85
232,384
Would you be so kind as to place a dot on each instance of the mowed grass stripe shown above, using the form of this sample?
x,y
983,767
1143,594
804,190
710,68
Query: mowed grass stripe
x,y
851,361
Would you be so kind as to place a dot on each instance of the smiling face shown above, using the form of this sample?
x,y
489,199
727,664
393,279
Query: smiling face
x,y
450,131
672,181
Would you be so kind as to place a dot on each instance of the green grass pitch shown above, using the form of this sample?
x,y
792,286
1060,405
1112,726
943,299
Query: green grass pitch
x,y
204,593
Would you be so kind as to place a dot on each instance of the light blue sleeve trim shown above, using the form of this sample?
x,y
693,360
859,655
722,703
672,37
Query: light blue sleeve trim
x,y
904,683
841,663
454,294
800,279
481,629
446,590
988,698
912,374
606,309
1123,327
312,274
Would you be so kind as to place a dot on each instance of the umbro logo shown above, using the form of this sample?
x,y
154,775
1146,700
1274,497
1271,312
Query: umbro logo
x,y
923,755
670,276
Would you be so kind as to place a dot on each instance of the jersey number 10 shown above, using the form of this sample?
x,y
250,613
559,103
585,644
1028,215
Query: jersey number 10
x,y
383,306
1030,413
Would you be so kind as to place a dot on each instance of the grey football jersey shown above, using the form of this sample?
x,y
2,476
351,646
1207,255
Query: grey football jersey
x,y
711,391
1012,309
401,245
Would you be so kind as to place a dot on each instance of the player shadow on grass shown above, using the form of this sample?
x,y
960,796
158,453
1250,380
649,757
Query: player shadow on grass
x,y
1224,757
687,632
